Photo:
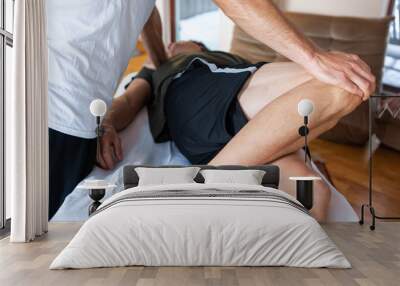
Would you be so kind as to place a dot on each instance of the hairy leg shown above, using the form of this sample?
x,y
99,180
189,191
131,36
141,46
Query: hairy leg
x,y
294,146
270,102
293,165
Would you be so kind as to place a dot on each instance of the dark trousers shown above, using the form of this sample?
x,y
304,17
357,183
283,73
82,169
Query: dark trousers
x,y
71,159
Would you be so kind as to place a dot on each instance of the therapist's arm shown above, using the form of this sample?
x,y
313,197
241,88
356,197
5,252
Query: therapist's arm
x,y
122,112
263,20
152,39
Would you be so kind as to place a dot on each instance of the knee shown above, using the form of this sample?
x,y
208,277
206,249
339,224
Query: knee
x,y
342,102
335,101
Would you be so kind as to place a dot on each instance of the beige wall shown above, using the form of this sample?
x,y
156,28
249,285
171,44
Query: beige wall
x,y
225,32
352,8
164,9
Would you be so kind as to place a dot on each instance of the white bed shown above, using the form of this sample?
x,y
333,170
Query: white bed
x,y
140,226
139,148
196,232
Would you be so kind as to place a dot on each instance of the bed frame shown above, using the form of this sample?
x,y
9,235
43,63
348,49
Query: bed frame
x,y
271,177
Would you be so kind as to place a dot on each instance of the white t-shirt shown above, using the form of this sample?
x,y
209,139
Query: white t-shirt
x,y
90,43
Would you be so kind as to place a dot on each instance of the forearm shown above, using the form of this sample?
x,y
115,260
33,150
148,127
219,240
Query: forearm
x,y
152,39
125,108
263,20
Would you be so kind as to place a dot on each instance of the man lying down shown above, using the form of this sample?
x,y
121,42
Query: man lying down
x,y
220,109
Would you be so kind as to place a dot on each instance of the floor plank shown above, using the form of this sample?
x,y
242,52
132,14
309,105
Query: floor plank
x,y
348,168
375,257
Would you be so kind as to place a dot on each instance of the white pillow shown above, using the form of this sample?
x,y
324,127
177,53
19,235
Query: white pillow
x,y
165,176
247,177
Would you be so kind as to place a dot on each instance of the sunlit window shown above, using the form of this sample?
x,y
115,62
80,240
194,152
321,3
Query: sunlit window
x,y
395,28
6,44
391,76
197,20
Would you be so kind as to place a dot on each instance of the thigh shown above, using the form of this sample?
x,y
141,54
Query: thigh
x,y
270,82
292,165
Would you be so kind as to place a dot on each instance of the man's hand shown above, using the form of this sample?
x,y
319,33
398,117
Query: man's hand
x,y
122,113
344,70
110,148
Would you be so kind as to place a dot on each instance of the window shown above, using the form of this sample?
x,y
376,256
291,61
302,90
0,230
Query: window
x,y
391,76
197,20
6,44
395,28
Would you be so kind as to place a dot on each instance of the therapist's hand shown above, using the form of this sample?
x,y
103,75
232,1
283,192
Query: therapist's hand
x,y
263,20
110,148
347,71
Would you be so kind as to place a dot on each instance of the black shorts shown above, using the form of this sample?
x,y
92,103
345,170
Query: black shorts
x,y
202,110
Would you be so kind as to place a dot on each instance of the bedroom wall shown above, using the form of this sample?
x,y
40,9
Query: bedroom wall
x,y
163,7
350,8
357,8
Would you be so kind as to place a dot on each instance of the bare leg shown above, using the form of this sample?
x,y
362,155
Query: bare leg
x,y
300,141
271,106
293,165
270,100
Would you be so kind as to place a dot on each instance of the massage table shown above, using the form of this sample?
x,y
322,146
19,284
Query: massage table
x,y
140,148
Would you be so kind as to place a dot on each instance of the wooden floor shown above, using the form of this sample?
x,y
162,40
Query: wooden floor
x,y
348,168
375,257
136,62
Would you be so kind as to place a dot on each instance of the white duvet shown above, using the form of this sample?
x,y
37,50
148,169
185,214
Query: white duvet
x,y
185,230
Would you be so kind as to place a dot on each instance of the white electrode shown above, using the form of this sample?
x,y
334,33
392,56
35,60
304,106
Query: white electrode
x,y
305,107
98,107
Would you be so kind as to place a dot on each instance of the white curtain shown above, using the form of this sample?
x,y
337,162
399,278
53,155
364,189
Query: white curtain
x,y
26,127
